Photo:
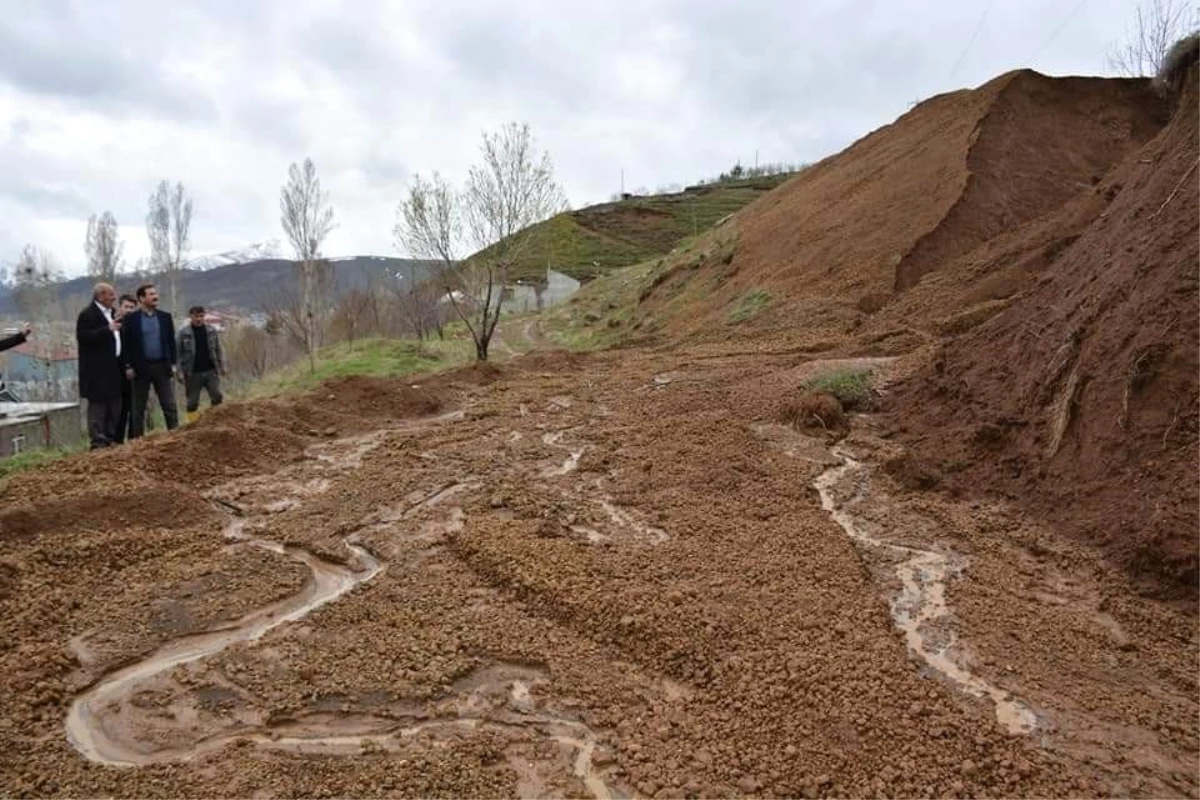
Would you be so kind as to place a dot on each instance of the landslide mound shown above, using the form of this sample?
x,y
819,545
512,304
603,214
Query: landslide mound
x,y
375,398
233,440
848,236
134,505
1079,399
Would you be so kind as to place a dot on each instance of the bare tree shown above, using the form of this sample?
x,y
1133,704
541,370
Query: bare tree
x,y
34,282
249,350
35,292
103,247
1156,26
352,316
169,228
307,220
420,308
511,189
294,316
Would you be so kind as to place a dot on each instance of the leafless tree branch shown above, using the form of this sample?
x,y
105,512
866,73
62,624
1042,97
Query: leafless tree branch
x,y
1157,24
168,226
103,247
307,220
511,189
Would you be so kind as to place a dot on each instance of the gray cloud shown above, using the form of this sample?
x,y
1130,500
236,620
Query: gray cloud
x,y
49,51
99,101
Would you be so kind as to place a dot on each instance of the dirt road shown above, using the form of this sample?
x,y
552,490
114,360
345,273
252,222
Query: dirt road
x,y
604,576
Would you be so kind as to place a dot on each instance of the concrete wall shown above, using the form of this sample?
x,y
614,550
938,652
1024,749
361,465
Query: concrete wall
x,y
525,298
42,426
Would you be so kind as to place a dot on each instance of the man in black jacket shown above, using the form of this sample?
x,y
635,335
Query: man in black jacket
x,y
127,305
98,335
148,355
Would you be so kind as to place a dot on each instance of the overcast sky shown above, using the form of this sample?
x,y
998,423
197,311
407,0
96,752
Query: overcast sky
x,y
100,100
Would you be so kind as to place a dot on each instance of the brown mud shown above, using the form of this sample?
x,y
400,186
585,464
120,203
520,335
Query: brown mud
x,y
1080,400
573,600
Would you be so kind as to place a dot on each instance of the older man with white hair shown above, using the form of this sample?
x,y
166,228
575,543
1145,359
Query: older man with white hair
x,y
98,334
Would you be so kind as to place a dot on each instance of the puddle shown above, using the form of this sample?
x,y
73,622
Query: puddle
x,y
919,609
500,698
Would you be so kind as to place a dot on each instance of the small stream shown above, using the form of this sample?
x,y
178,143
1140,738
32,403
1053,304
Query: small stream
x,y
329,581
921,602
345,734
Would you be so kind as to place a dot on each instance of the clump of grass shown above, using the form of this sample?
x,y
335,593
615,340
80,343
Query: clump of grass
x,y
749,305
851,387
33,458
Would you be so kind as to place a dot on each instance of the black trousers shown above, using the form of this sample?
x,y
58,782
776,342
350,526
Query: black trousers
x,y
123,419
157,375
102,421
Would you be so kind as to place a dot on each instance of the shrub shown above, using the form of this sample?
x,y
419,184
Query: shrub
x,y
851,387
1176,63
749,305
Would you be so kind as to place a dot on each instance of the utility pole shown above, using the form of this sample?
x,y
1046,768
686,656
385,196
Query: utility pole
x,y
622,182
756,159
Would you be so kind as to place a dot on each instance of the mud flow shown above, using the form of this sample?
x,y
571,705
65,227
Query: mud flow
x,y
107,722
919,608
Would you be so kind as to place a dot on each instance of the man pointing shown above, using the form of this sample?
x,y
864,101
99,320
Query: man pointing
x,y
98,336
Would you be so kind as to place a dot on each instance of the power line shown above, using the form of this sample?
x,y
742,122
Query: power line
x,y
1057,31
971,41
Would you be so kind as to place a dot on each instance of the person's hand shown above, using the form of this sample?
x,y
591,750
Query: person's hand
x,y
129,373
27,329
114,325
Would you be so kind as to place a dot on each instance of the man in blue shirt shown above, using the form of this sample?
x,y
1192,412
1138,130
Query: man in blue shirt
x,y
148,356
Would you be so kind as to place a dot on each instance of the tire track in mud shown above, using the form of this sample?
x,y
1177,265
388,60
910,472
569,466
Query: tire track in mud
x,y
345,733
919,609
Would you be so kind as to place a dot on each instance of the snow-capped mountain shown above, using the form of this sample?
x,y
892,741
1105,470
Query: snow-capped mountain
x,y
255,252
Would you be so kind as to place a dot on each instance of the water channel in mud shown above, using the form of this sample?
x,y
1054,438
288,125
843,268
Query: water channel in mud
x,y
496,697
329,581
921,602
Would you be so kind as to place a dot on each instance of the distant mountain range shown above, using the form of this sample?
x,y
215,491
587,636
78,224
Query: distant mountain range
x,y
245,285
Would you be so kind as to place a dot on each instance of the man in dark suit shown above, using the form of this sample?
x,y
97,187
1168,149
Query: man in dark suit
x,y
127,305
148,356
98,336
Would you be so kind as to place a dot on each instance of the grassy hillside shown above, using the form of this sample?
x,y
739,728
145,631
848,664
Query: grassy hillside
x,y
610,309
379,358
599,239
